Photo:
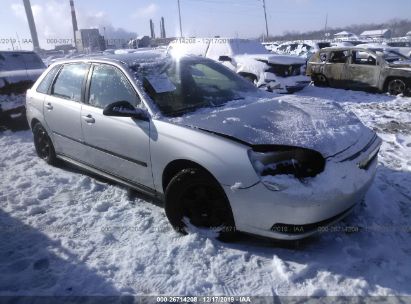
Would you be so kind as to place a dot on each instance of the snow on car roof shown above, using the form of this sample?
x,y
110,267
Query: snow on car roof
x,y
130,59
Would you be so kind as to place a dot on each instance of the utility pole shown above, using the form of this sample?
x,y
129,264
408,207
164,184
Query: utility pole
x,y
265,15
179,16
325,27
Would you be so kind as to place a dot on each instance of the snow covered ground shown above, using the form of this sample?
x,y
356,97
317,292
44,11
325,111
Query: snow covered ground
x,y
63,232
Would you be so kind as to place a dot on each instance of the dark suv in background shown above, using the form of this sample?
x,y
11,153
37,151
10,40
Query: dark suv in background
x,y
19,70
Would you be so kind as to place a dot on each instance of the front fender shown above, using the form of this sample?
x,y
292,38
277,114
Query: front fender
x,y
226,159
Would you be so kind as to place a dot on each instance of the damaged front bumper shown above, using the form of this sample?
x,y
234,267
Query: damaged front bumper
x,y
300,209
289,84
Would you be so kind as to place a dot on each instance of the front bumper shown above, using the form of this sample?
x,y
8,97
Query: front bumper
x,y
289,84
301,210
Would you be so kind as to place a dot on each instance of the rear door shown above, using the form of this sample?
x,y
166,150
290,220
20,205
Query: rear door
x,y
62,109
116,145
364,70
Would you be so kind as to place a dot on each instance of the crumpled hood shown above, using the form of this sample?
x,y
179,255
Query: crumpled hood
x,y
406,64
324,127
277,59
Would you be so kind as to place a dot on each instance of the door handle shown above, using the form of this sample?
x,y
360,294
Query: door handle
x,y
89,119
49,106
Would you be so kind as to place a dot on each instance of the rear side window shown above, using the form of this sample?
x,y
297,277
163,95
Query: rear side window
x,y
108,85
32,61
69,82
47,80
338,57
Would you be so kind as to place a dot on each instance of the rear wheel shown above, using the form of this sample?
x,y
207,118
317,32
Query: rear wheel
x,y
320,80
193,197
396,86
44,146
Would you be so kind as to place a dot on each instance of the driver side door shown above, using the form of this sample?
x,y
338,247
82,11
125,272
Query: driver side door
x,y
118,146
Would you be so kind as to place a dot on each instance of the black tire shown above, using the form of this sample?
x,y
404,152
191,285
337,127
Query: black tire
x,y
397,86
320,80
197,196
44,146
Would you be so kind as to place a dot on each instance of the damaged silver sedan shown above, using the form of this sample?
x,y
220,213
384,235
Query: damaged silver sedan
x,y
359,68
221,154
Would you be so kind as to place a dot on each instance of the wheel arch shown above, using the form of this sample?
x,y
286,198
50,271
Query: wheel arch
x,y
33,122
176,166
389,78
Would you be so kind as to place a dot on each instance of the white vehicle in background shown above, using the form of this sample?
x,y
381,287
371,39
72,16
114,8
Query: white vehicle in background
x,y
302,49
250,59
270,46
402,47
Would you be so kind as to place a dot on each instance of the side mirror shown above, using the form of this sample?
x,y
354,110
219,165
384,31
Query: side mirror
x,y
125,109
224,58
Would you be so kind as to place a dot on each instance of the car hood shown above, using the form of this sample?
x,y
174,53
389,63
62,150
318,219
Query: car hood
x,y
277,59
323,127
406,64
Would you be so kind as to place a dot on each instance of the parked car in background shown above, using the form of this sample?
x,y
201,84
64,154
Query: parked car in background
x,y
270,46
305,49
222,155
249,59
19,70
382,69
404,48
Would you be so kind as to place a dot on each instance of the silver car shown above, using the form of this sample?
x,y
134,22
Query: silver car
x,y
222,155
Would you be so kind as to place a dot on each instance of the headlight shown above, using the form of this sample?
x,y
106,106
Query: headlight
x,y
273,161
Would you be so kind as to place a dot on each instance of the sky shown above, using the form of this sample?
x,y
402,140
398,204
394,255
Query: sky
x,y
228,18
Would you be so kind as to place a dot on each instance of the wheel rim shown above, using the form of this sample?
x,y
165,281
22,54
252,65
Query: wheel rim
x,y
204,206
396,87
322,79
43,144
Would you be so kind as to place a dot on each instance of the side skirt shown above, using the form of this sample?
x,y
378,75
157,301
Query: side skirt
x,y
140,188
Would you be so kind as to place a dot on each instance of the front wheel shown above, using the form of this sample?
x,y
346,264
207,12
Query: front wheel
x,y
44,146
396,87
193,197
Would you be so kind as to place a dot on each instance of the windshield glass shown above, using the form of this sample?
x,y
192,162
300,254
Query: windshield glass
x,y
390,56
182,86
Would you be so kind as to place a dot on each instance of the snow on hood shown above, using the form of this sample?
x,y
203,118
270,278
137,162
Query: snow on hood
x,y
401,64
323,127
278,59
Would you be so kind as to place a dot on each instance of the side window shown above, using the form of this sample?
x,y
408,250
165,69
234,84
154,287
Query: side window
x,y
70,81
323,57
32,61
108,84
338,56
47,80
364,58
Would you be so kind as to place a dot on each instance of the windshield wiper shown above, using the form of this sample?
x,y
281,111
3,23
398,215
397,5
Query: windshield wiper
x,y
184,111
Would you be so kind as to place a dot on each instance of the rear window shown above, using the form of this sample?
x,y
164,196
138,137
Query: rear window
x,y
322,45
11,61
47,80
14,61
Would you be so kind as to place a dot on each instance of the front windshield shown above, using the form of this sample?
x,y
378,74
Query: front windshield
x,y
182,86
390,56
